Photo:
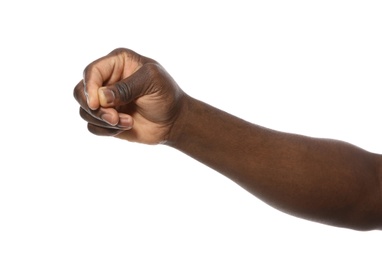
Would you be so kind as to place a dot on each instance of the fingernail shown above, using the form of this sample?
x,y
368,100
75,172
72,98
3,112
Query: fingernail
x,y
107,118
89,101
125,122
109,96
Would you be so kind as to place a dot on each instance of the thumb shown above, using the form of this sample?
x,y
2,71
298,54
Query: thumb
x,y
128,89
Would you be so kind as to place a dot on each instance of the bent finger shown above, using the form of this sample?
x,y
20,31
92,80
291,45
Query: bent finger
x,y
125,122
109,69
142,82
101,131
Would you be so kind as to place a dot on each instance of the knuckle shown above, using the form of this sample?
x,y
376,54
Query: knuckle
x,y
125,54
123,91
78,92
83,114
87,69
119,50
75,93
154,71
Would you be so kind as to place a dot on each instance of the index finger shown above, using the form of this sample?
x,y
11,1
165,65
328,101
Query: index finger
x,y
117,65
95,74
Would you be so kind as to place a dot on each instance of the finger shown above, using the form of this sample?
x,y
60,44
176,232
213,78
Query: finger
x,y
125,121
95,74
108,115
138,84
79,94
101,131
109,69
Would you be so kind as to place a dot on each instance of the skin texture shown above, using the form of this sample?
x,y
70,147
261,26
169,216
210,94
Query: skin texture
x,y
132,97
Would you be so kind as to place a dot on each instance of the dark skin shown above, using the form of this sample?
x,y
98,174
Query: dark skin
x,y
132,97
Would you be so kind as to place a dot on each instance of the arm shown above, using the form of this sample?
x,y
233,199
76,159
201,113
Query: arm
x,y
133,98
323,180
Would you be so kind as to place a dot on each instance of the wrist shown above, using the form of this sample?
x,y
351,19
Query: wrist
x,y
177,129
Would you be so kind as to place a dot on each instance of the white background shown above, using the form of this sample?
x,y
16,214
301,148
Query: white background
x,y
308,67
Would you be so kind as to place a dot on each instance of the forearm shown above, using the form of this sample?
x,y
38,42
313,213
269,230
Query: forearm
x,y
324,180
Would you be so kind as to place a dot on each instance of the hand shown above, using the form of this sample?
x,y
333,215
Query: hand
x,y
129,96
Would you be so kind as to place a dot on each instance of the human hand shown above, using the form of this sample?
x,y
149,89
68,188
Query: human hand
x,y
129,96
